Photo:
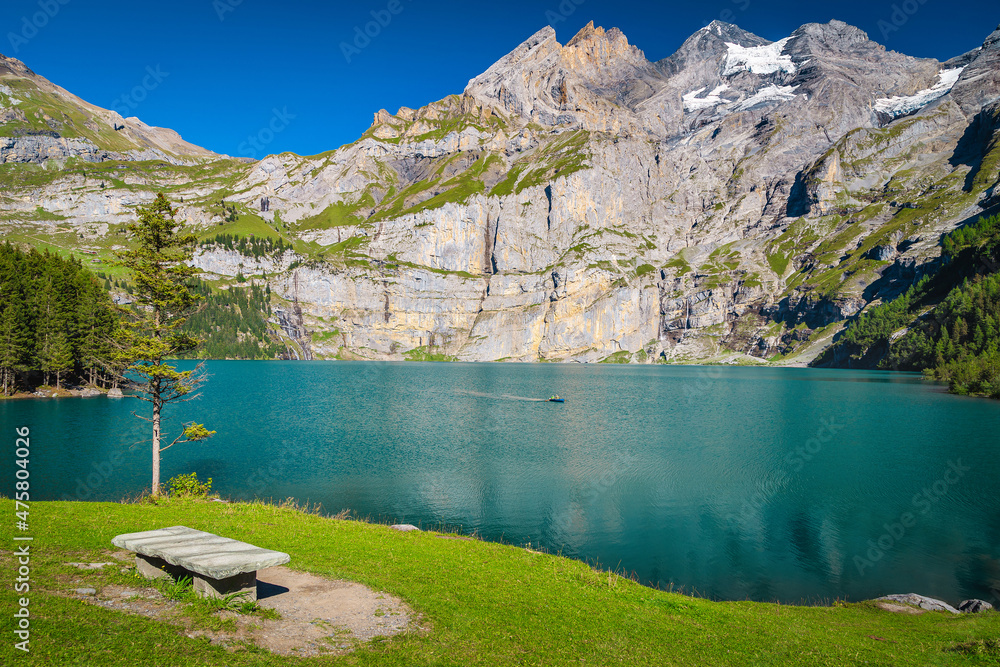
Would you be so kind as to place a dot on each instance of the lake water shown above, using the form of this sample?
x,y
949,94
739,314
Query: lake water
x,y
790,484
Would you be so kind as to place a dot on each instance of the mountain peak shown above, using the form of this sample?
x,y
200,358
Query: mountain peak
x,y
585,32
597,47
980,81
834,36
13,66
727,32
552,84
534,48
546,34
994,38
591,33
709,44
97,133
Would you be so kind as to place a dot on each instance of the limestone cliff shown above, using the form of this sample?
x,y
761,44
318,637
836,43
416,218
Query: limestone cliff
x,y
580,203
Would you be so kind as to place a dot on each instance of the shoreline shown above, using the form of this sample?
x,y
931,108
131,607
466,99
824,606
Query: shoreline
x,y
445,531
49,393
511,602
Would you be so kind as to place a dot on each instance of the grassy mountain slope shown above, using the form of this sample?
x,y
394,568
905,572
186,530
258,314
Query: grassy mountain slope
x,y
947,325
31,105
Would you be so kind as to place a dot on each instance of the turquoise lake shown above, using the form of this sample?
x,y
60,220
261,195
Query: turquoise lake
x,y
790,484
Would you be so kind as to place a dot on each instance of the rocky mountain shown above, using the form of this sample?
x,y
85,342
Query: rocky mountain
x,y
737,200
40,121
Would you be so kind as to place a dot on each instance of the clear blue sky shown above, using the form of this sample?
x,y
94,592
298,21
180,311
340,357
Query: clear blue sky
x,y
219,81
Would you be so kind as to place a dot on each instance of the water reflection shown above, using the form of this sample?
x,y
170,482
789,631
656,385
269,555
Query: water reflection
x,y
718,480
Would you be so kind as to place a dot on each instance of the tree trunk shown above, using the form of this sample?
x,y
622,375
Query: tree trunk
x,y
157,406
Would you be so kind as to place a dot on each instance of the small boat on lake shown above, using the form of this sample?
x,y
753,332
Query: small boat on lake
x,y
556,399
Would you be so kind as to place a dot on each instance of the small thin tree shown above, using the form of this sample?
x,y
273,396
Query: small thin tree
x,y
150,333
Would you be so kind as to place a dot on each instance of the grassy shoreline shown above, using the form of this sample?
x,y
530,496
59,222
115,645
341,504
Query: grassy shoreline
x,y
485,603
63,392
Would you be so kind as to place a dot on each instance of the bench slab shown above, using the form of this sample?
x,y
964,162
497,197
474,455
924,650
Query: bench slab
x,y
218,565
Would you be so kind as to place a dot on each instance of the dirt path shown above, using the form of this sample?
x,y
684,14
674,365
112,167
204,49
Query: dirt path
x,y
317,615
317,611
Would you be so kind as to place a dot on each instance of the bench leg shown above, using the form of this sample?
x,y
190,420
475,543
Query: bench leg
x,y
245,584
157,568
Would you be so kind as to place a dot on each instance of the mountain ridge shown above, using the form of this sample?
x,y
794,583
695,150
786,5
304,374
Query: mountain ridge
x,y
95,126
737,200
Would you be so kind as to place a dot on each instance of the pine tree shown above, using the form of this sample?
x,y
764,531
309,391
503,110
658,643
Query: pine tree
x,y
96,328
54,345
15,324
152,331
48,349
59,355
15,343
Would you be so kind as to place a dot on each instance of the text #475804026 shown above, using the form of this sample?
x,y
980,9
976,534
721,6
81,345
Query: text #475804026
x,y
22,546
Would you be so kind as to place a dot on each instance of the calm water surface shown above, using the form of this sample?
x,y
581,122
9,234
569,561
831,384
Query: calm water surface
x,y
787,484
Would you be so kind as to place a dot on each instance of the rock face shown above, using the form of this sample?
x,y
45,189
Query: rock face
x,y
576,85
38,149
930,604
578,202
981,79
641,205
974,606
229,263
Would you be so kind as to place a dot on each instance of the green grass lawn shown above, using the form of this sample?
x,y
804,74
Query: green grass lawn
x,y
246,225
485,603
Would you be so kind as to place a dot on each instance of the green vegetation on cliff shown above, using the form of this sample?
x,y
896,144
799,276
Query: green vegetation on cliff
x,y
947,325
252,246
958,342
233,323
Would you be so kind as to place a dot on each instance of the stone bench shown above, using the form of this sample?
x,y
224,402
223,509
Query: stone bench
x,y
218,566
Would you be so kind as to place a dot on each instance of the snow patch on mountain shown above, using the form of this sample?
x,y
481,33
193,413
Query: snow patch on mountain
x,y
694,103
904,106
766,95
758,59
